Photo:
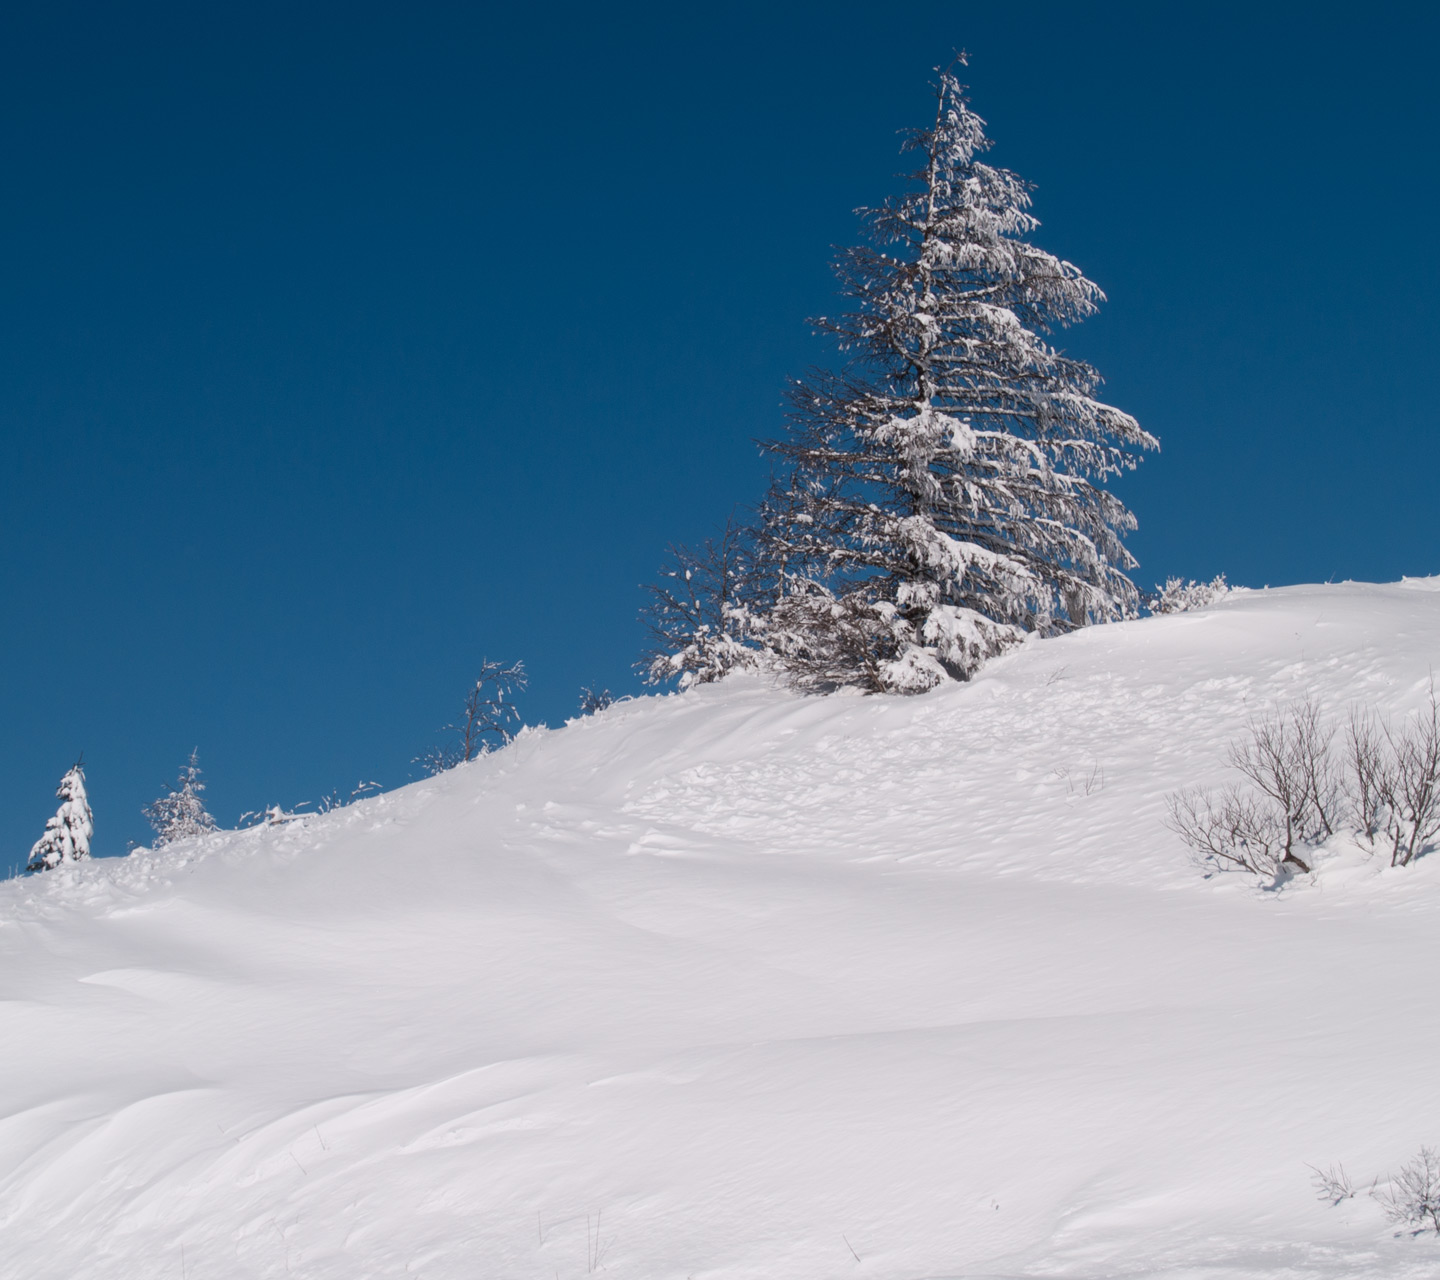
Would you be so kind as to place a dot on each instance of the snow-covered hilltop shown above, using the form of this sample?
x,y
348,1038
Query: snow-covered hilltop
x,y
745,984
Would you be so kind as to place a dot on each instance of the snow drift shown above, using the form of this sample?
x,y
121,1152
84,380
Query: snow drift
x,y
741,984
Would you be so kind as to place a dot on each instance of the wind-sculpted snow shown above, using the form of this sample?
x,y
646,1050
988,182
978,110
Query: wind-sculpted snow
x,y
743,984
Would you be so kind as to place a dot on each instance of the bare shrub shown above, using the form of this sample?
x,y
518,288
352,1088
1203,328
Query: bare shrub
x,y
1412,1196
1416,805
1369,772
436,760
335,800
1092,782
1387,783
1231,831
1287,757
1322,781
595,700
1395,780
486,718
1332,1184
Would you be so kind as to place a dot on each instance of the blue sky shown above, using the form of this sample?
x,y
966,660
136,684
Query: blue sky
x,y
341,346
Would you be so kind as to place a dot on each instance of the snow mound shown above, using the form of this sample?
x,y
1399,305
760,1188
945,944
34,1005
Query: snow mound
x,y
741,984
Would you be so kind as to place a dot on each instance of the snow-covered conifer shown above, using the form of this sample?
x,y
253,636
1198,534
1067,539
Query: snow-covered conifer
x,y
701,615
67,834
180,812
943,495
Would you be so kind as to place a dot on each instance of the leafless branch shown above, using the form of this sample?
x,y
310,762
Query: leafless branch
x,y
487,715
1331,1183
1231,830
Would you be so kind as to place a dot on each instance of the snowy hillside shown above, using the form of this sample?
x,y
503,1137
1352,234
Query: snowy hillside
x,y
739,984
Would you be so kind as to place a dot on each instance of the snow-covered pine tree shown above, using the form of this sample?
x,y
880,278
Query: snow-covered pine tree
x,y
943,495
67,834
701,614
180,812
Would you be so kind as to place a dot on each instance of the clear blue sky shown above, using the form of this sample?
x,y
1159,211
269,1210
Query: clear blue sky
x,y
341,345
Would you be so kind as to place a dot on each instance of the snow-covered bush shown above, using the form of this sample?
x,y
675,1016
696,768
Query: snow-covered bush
x,y
180,812
486,717
67,834
1412,1196
1180,596
943,493
594,700
273,816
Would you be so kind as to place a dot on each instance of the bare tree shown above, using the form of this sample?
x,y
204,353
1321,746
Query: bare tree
x,y
487,715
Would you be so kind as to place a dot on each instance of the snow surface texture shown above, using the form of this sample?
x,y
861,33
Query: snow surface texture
x,y
741,984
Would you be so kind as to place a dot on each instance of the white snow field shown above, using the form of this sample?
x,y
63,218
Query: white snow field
x,y
743,984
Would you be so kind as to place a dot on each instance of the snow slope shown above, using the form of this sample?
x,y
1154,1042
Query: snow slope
x,y
738,984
